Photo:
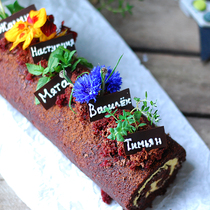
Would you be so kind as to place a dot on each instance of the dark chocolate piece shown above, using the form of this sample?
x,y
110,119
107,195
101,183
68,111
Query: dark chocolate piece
x,y
148,139
48,93
42,50
121,99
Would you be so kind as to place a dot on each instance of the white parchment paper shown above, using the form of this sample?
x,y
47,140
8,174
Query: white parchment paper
x,y
45,179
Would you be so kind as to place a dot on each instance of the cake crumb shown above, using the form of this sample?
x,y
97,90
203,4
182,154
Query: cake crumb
x,y
105,197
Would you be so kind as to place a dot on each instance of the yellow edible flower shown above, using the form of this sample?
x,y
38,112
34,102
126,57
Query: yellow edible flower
x,y
25,32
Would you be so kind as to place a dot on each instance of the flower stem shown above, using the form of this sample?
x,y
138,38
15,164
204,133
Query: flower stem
x,y
103,76
71,95
114,68
70,99
63,74
2,11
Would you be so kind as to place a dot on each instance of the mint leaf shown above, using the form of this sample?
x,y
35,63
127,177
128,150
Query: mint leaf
x,y
60,58
42,81
13,8
34,69
75,65
37,101
46,70
71,53
84,62
10,7
53,62
17,6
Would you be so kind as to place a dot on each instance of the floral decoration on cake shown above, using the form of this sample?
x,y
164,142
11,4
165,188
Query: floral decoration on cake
x,y
100,80
39,27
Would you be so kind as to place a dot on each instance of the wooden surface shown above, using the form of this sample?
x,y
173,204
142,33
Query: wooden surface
x,y
167,42
8,199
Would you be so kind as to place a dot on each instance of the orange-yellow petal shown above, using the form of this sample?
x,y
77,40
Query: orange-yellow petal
x,y
13,33
44,38
63,33
37,18
37,32
20,38
28,39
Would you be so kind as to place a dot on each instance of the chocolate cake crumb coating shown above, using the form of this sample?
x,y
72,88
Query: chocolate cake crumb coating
x,y
132,189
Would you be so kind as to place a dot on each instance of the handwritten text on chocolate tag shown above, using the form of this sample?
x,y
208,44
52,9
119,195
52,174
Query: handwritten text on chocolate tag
x,y
47,94
42,50
7,23
148,139
115,100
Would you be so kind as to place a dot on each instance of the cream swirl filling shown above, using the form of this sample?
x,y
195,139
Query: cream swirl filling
x,y
171,163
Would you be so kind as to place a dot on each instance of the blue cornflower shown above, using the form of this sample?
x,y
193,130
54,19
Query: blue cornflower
x,y
113,84
86,88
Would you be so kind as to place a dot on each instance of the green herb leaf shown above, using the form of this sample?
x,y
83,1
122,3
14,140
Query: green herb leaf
x,y
120,137
137,99
84,62
58,68
137,116
42,81
146,109
71,53
46,70
53,62
106,109
37,101
34,69
17,6
60,58
13,8
111,136
3,15
130,121
66,55
75,65
142,124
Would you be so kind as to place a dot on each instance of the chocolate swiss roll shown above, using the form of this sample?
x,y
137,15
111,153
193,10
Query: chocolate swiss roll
x,y
133,182
130,158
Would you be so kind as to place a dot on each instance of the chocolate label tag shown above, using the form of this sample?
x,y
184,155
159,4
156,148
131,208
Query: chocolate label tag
x,y
47,94
148,139
7,23
42,50
115,100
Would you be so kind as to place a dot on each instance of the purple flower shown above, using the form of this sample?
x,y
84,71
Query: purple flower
x,y
86,88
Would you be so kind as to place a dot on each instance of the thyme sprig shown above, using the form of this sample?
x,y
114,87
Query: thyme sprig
x,y
130,121
122,6
147,109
